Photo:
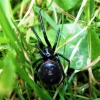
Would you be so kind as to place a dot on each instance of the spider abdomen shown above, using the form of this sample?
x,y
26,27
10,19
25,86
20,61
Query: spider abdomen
x,y
50,72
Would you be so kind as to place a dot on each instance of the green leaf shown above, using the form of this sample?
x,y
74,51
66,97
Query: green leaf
x,y
95,46
97,99
5,4
4,40
92,7
79,60
7,73
67,4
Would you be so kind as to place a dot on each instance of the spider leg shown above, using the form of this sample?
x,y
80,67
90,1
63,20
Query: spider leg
x,y
57,54
64,58
37,61
61,70
43,29
36,77
41,51
39,40
56,40
36,70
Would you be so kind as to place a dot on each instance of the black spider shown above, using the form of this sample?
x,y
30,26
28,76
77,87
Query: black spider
x,y
50,70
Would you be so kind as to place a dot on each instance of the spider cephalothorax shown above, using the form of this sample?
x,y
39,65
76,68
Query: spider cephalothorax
x,y
50,69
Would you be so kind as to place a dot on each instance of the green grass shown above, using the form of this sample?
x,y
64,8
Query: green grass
x,y
79,41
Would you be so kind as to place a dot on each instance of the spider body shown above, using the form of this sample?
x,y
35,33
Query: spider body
x,y
50,70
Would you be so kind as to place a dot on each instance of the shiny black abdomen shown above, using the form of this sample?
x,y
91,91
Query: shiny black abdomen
x,y
50,72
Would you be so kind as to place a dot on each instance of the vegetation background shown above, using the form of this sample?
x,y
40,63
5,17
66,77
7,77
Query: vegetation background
x,y
79,22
